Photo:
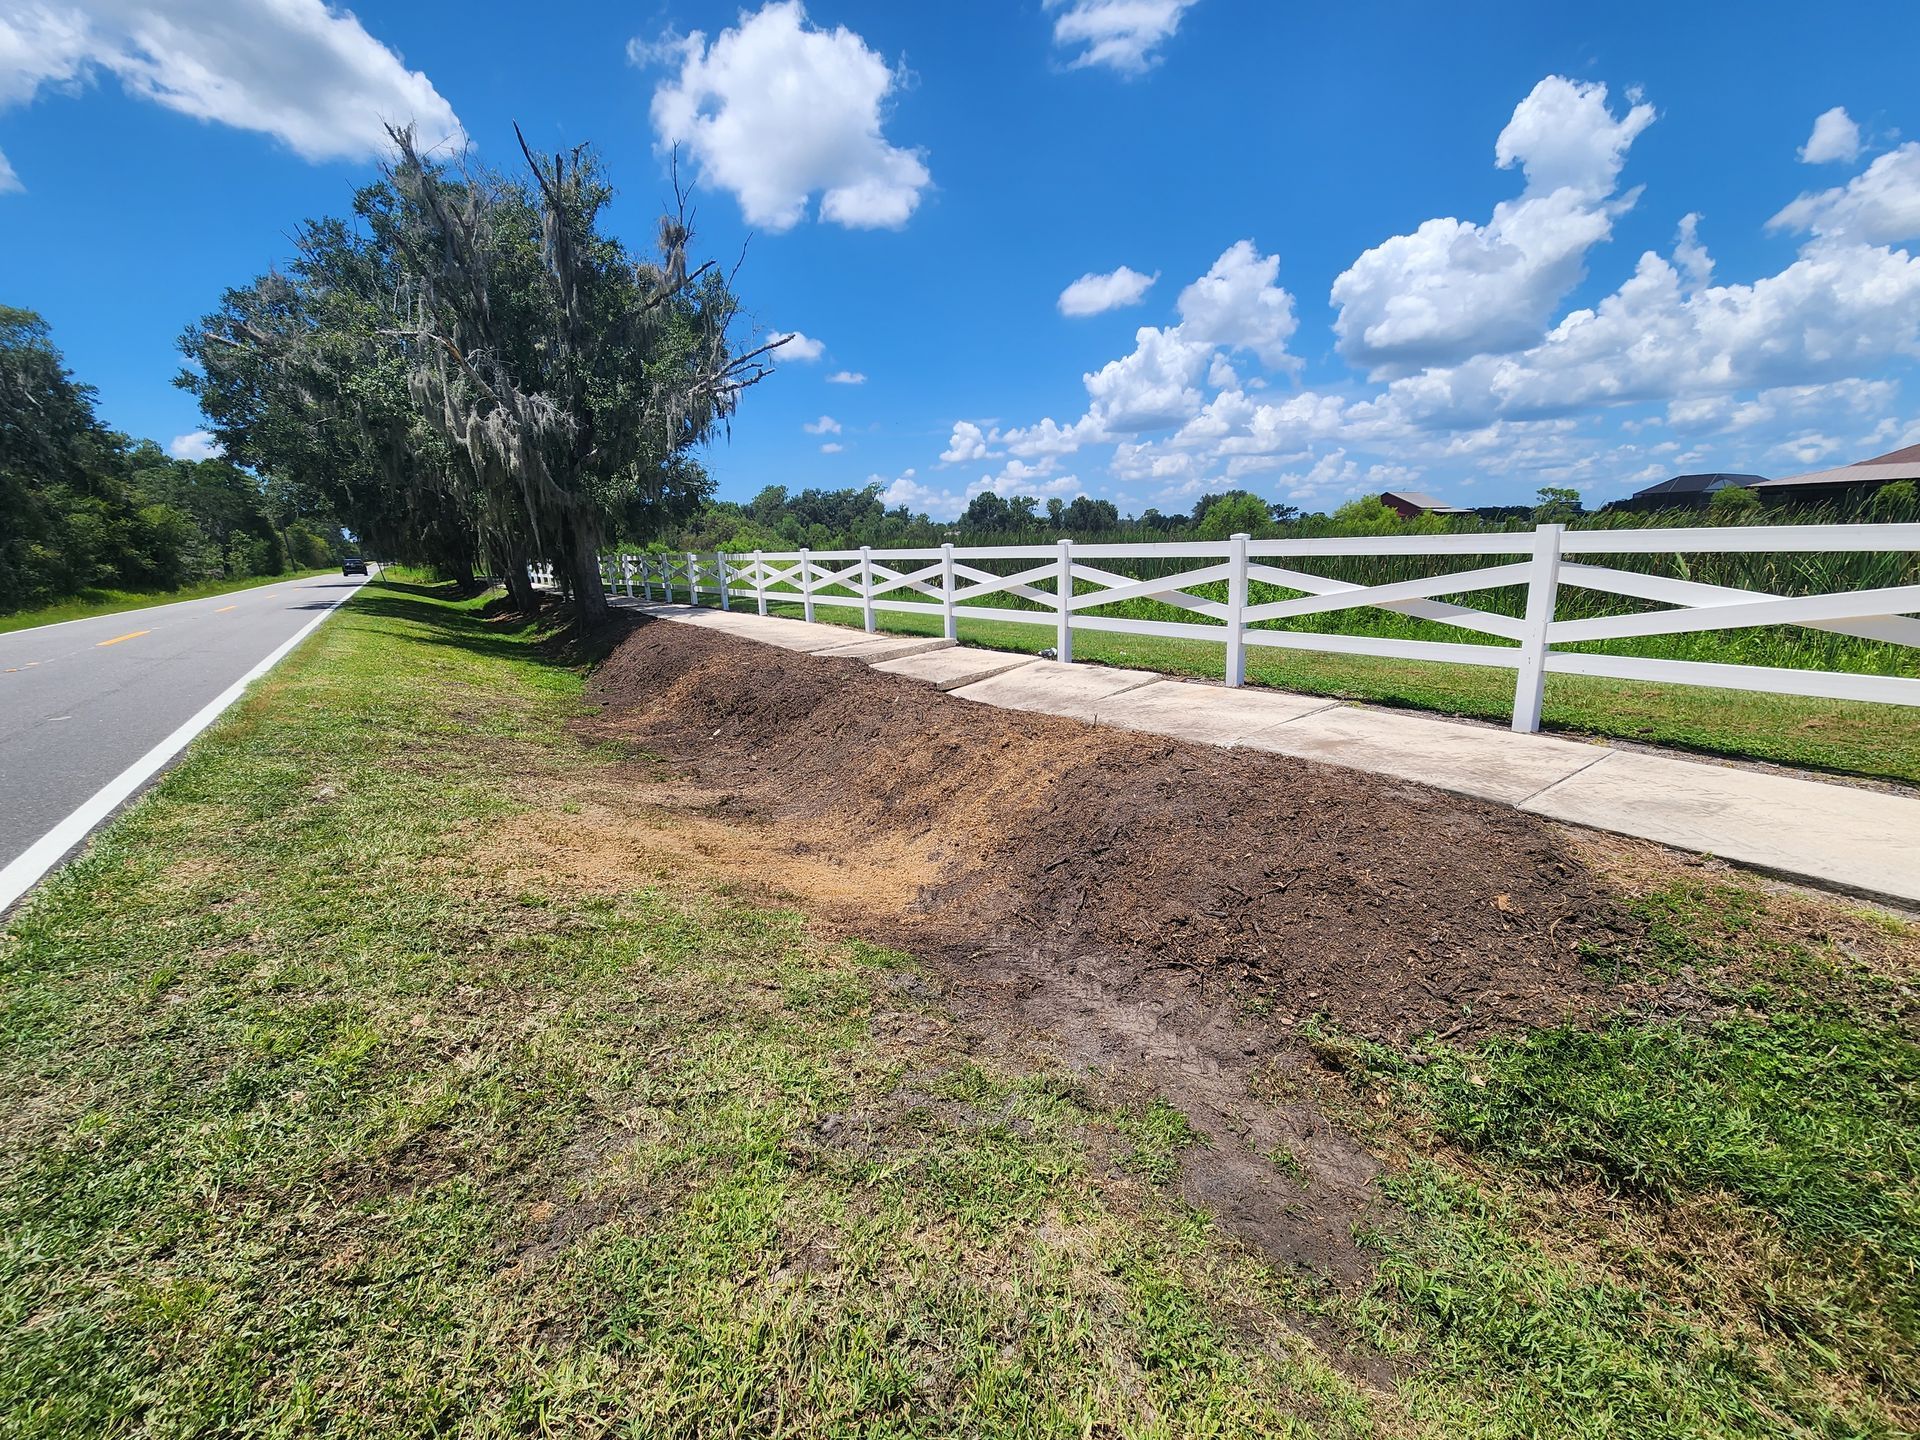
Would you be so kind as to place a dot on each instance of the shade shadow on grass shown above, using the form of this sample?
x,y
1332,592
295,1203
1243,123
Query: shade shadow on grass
x,y
544,639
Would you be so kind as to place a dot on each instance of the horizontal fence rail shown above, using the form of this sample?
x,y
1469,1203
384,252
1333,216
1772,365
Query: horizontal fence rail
x,y
1205,590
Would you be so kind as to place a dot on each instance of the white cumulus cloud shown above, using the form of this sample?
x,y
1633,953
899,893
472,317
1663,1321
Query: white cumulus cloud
x,y
942,503
1835,138
1122,35
846,377
1236,305
825,425
1453,288
967,443
777,110
1049,438
299,70
195,445
1017,477
1496,382
803,348
1154,387
1879,206
1093,293
1856,399
1836,311
906,490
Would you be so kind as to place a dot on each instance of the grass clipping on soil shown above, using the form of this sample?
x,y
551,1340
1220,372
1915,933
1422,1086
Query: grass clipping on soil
x,y
1388,908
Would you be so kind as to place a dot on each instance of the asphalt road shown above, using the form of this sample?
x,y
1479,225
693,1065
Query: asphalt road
x,y
81,701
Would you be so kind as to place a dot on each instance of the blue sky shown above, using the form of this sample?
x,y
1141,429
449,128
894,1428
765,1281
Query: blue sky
x,y
1472,249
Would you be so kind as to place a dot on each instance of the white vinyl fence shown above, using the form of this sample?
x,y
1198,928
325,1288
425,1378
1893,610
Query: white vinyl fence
x,y
1069,580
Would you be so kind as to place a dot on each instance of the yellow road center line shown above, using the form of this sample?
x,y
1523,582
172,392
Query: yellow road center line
x,y
224,608
130,635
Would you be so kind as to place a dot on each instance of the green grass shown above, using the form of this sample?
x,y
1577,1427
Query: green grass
x,y
1764,1280
1521,1340
324,1115
338,1104
1848,737
109,602
1679,1226
1158,1133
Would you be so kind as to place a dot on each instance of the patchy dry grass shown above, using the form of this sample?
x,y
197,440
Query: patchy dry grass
x,y
1703,1222
315,1126
333,1106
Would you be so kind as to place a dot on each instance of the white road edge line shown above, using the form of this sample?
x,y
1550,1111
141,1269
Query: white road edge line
x,y
26,870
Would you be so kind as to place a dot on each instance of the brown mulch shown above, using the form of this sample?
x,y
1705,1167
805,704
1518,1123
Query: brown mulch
x,y
1390,908
1158,915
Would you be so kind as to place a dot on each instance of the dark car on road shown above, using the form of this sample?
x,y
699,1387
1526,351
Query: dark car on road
x,y
353,565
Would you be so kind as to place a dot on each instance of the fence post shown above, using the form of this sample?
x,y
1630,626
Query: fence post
x,y
1063,588
759,583
693,578
646,577
806,583
726,591
626,570
866,586
1543,590
1237,611
952,629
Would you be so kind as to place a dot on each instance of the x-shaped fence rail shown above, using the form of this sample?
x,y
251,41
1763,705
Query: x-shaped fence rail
x,y
1067,585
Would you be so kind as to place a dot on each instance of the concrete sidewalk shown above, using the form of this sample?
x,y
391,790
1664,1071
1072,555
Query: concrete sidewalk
x,y
1840,837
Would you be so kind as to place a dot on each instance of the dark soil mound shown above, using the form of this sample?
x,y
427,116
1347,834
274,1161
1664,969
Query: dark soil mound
x,y
1158,915
1390,908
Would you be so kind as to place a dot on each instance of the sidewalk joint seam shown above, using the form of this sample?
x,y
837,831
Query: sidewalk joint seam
x,y
1606,752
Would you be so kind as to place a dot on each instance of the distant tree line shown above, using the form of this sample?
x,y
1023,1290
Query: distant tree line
x,y
83,507
777,519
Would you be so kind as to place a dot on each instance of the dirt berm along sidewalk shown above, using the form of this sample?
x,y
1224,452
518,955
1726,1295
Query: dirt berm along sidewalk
x,y
1164,917
1388,907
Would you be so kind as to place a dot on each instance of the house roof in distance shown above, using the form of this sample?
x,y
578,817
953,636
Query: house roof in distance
x,y
1419,500
1910,455
1699,484
1902,464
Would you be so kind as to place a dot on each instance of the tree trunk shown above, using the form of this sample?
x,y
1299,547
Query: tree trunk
x,y
513,573
460,561
453,561
589,595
